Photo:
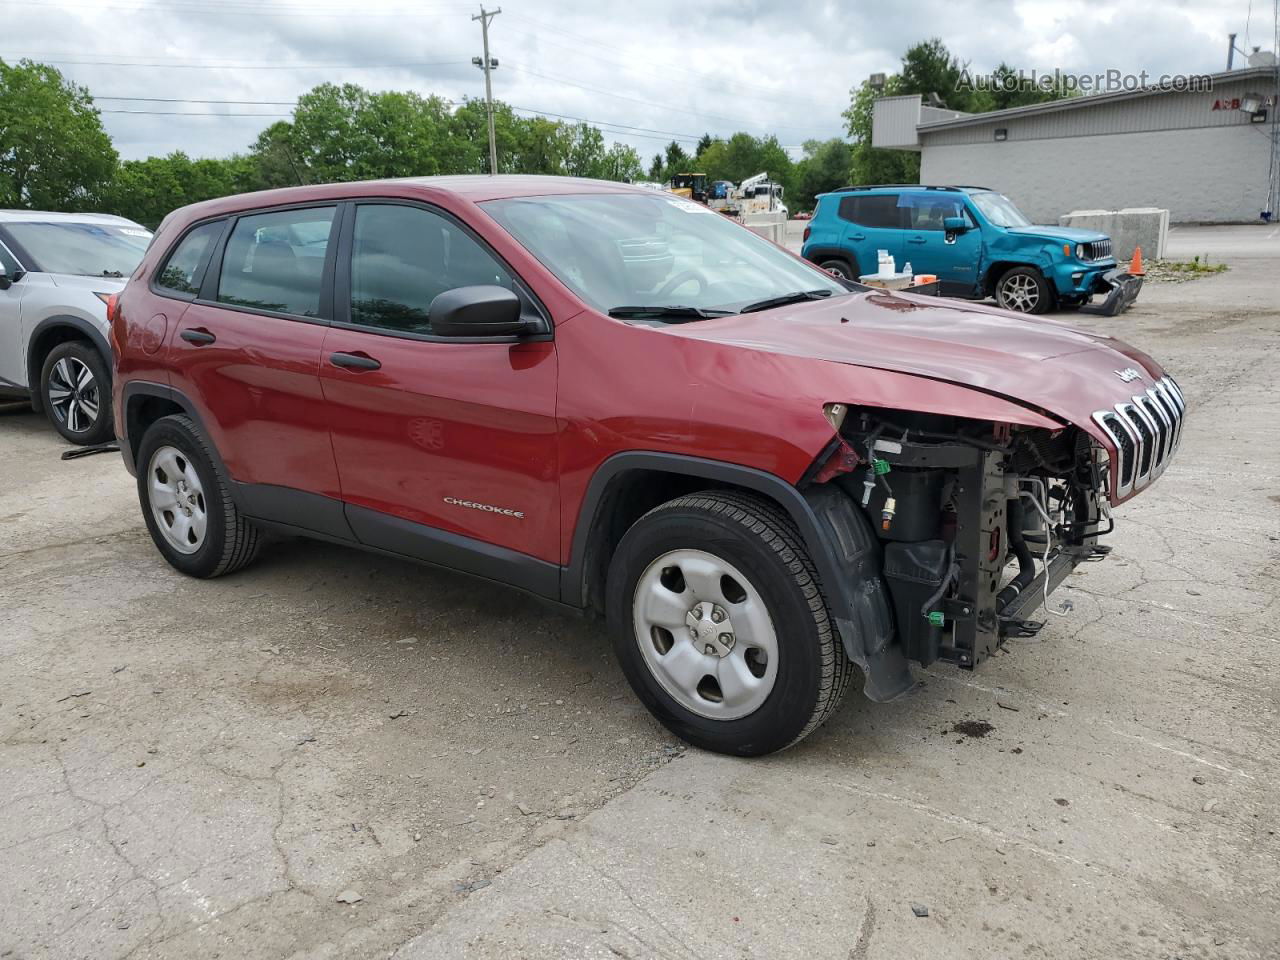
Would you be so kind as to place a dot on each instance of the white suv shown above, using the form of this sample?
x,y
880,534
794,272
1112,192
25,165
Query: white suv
x,y
56,272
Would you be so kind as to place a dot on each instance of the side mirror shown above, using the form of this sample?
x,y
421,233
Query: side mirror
x,y
481,311
955,224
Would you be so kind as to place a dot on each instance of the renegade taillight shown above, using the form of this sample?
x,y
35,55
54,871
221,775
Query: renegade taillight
x,y
807,231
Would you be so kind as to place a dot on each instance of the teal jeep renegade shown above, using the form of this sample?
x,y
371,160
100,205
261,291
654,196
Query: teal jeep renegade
x,y
977,242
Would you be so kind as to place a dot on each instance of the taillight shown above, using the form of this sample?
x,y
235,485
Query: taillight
x,y
113,308
807,231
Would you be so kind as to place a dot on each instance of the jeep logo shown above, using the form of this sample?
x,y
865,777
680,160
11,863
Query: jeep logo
x,y
1128,374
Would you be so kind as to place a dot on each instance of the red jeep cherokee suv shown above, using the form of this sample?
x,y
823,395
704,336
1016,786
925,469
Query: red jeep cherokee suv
x,y
761,474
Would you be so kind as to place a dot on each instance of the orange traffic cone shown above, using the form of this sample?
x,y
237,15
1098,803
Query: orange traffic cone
x,y
1135,265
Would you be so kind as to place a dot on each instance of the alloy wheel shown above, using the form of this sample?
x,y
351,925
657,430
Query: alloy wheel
x,y
1020,292
73,395
176,497
705,634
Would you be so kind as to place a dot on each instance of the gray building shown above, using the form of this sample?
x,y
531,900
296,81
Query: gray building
x,y
1205,156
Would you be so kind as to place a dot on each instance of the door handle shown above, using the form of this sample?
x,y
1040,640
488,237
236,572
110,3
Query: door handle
x,y
916,240
197,335
354,361
857,236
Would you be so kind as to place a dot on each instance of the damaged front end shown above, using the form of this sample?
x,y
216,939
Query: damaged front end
x,y
975,525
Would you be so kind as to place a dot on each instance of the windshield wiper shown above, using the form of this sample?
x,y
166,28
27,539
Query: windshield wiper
x,y
798,297
671,310
114,274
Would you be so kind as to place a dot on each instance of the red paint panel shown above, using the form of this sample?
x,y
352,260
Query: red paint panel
x,y
257,389
473,422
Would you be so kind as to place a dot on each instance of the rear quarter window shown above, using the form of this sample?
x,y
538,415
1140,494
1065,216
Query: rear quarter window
x,y
184,269
876,210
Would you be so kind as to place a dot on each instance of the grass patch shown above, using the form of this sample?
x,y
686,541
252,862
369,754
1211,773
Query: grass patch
x,y
1194,266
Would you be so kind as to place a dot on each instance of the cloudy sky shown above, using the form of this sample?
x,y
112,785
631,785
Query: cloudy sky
x,y
644,71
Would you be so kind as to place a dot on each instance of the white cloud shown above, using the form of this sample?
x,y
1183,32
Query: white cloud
x,y
717,66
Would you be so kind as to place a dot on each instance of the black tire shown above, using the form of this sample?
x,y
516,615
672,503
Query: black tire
x,y
759,539
230,541
1024,290
68,399
838,266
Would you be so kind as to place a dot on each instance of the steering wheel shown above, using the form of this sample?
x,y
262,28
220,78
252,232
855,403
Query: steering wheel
x,y
682,278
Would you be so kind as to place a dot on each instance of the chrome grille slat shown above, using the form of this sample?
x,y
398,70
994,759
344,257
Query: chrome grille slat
x,y
1146,430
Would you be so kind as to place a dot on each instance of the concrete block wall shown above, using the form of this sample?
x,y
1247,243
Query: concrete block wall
x,y
1142,227
1209,175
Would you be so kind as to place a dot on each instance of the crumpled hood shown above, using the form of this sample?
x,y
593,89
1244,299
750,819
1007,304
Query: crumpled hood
x,y
1043,364
1050,232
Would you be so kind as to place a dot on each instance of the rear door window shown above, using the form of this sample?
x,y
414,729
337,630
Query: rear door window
x,y
877,211
184,269
275,261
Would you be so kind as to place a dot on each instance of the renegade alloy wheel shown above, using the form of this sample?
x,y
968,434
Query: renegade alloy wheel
x,y
720,625
1023,290
75,390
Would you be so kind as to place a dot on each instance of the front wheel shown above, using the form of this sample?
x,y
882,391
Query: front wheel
x,y
75,391
720,625
1024,290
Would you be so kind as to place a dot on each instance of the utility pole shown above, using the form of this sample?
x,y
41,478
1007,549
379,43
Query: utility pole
x,y
488,65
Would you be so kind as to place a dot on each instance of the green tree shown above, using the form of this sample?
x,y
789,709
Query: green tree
x,y
873,164
147,190
824,166
622,162
928,68
655,168
675,160
54,154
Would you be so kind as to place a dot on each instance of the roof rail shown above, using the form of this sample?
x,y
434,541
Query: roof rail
x,y
909,186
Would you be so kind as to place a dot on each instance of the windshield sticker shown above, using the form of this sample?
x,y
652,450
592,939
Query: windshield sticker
x,y
688,205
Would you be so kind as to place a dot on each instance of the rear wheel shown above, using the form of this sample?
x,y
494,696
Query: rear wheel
x,y
839,268
75,391
187,505
720,624
1024,290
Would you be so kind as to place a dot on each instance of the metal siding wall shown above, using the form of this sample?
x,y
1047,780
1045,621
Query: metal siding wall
x,y
1209,174
1166,111
893,122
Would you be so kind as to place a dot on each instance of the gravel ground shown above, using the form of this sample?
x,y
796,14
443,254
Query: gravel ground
x,y
338,755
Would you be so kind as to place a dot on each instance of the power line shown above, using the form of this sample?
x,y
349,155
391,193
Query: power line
x,y
648,103
232,9
264,103
257,66
767,94
178,113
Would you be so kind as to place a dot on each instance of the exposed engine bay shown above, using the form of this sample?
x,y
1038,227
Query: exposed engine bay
x,y
978,522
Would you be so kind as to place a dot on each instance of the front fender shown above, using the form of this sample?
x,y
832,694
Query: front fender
x,y
55,326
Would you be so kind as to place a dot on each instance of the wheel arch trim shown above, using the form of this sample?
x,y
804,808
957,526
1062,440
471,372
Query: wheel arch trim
x,y
138,389
34,360
887,674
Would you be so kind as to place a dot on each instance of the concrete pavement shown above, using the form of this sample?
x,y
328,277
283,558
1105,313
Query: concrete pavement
x,y
200,769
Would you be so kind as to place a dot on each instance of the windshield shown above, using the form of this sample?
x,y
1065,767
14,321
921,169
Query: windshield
x,y
655,250
86,249
999,209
